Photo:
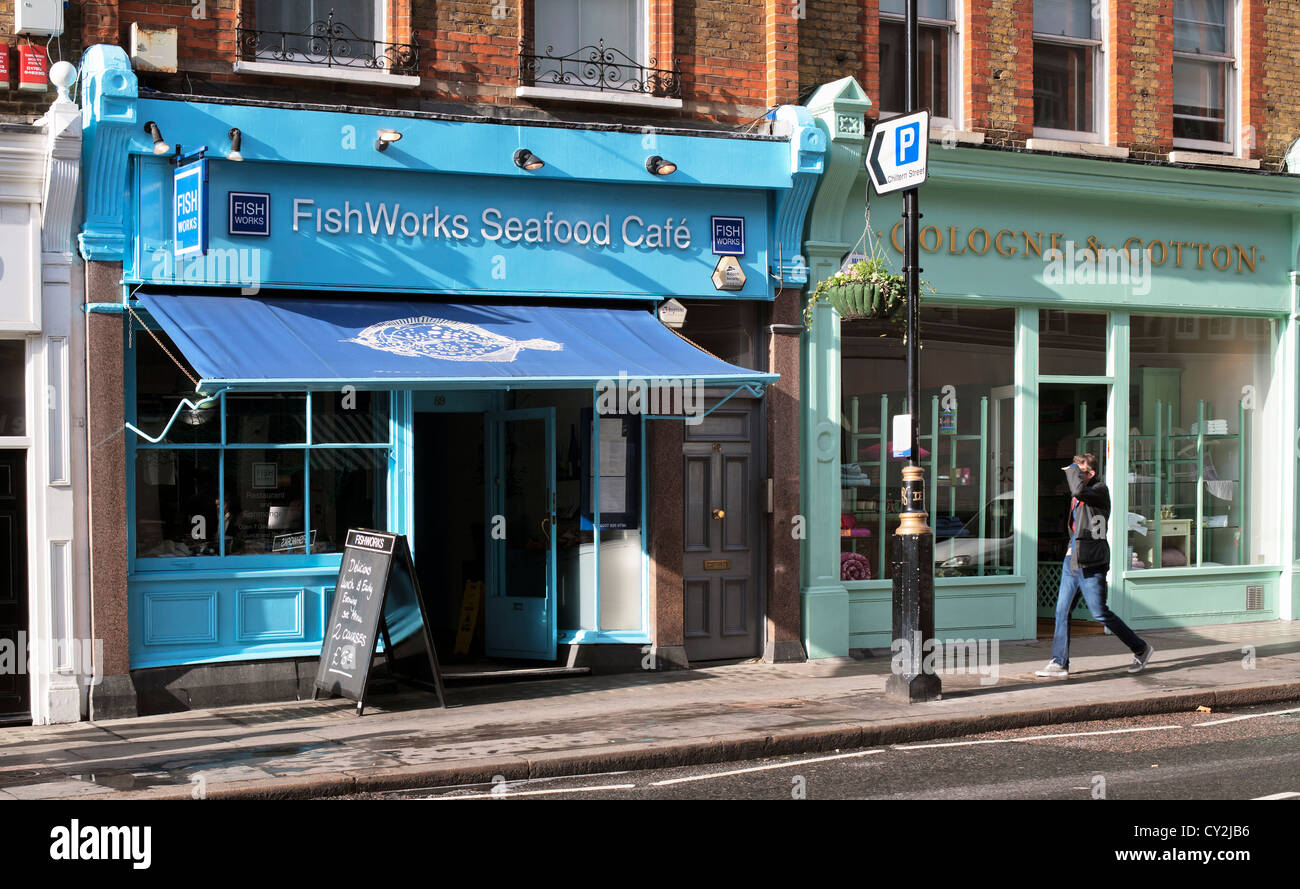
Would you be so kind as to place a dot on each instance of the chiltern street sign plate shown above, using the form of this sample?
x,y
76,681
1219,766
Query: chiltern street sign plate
x,y
898,154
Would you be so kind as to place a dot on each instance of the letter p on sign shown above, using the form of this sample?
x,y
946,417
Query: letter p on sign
x,y
907,144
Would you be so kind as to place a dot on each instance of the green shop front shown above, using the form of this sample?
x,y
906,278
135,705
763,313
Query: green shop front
x,y
1144,314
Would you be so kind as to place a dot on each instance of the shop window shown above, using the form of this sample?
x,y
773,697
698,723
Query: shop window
x,y
1203,81
252,474
1066,50
587,522
967,432
1072,343
13,376
936,35
724,328
1200,465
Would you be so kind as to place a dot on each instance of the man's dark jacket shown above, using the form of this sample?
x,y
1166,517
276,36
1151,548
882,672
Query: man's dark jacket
x,y
1091,553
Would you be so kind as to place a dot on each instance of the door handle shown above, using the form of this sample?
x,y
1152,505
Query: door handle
x,y
719,513
546,529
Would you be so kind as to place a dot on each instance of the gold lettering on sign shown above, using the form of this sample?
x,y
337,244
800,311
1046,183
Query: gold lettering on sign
x,y
717,564
1008,242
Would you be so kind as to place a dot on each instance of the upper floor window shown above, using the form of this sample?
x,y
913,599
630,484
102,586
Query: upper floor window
x,y
936,27
331,33
1203,63
1067,43
598,45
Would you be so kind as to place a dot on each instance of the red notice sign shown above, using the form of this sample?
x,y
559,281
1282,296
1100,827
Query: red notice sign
x,y
4,68
32,73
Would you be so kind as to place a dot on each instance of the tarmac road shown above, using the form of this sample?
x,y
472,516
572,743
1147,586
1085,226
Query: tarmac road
x,y
1239,755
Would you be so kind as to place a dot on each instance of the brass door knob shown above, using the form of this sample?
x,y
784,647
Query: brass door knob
x,y
719,513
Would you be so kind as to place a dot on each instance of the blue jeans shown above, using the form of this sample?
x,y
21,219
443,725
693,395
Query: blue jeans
x,y
1094,593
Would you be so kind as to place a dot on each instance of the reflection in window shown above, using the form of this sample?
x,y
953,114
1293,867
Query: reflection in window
x,y
265,479
935,27
1198,476
1203,62
967,435
1066,43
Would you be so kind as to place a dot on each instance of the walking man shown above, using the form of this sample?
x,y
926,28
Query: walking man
x,y
1084,572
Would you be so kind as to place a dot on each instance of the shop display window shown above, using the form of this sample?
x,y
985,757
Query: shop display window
x,y
1201,415
252,474
967,430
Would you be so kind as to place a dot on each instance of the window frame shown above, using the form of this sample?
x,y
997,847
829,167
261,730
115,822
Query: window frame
x,y
221,560
1100,79
1231,84
953,112
640,52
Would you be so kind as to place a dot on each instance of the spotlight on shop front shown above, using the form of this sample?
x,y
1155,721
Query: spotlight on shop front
x,y
159,146
526,160
659,166
384,138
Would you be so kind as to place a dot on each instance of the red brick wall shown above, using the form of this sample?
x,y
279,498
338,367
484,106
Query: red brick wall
x,y
24,106
1141,37
834,42
737,57
1279,73
998,69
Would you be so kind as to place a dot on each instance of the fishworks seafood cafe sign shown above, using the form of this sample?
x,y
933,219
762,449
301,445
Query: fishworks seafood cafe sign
x,y
384,219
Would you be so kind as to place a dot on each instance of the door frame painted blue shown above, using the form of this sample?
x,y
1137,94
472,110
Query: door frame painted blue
x,y
504,637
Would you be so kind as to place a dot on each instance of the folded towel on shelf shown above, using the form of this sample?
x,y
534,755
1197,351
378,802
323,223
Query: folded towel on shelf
x,y
1216,521
854,566
1221,488
1212,427
1137,522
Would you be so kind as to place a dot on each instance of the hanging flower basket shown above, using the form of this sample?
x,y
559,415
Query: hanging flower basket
x,y
859,300
865,290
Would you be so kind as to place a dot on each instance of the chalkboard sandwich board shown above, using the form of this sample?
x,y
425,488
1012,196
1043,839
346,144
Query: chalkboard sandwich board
x,y
377,595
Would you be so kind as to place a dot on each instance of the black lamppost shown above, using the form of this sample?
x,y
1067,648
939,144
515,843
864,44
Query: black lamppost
x,y
913,544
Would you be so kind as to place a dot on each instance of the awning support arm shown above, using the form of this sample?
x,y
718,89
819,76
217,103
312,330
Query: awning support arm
x,y
754,389
185,404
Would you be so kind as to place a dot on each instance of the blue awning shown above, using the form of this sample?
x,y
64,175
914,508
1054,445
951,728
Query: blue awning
x,y
287,343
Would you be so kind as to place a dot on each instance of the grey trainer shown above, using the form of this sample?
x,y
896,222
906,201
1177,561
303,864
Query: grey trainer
x,y
1140,661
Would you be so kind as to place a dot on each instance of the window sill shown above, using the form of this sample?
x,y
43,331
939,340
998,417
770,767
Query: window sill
x,y
947,134
606,97
1213,160
321,72
1086,149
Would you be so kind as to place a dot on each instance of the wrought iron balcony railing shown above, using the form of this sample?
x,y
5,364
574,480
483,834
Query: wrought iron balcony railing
x,y
600,67
328,43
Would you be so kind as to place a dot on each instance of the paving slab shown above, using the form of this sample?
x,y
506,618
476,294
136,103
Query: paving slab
x,y
589,724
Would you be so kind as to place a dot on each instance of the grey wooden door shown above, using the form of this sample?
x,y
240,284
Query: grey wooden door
x,y
14,684
723,614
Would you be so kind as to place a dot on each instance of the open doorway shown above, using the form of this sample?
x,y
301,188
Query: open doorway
x,y
450,530
1072,420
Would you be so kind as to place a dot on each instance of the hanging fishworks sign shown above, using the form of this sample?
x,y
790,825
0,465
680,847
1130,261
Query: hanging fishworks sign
x,y
190,208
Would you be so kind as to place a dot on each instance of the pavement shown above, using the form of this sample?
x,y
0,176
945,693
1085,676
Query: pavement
x,y
590,724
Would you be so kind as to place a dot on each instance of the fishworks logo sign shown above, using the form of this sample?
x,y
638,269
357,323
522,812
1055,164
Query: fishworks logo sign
x,y
398,220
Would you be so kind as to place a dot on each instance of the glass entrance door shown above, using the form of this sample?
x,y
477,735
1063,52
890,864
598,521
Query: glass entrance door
x,y
1071,420
521,604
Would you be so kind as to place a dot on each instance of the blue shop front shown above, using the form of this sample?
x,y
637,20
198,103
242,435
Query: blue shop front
x,y
447,328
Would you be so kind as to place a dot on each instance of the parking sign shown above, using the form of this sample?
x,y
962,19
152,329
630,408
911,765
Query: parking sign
x,y
898,154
